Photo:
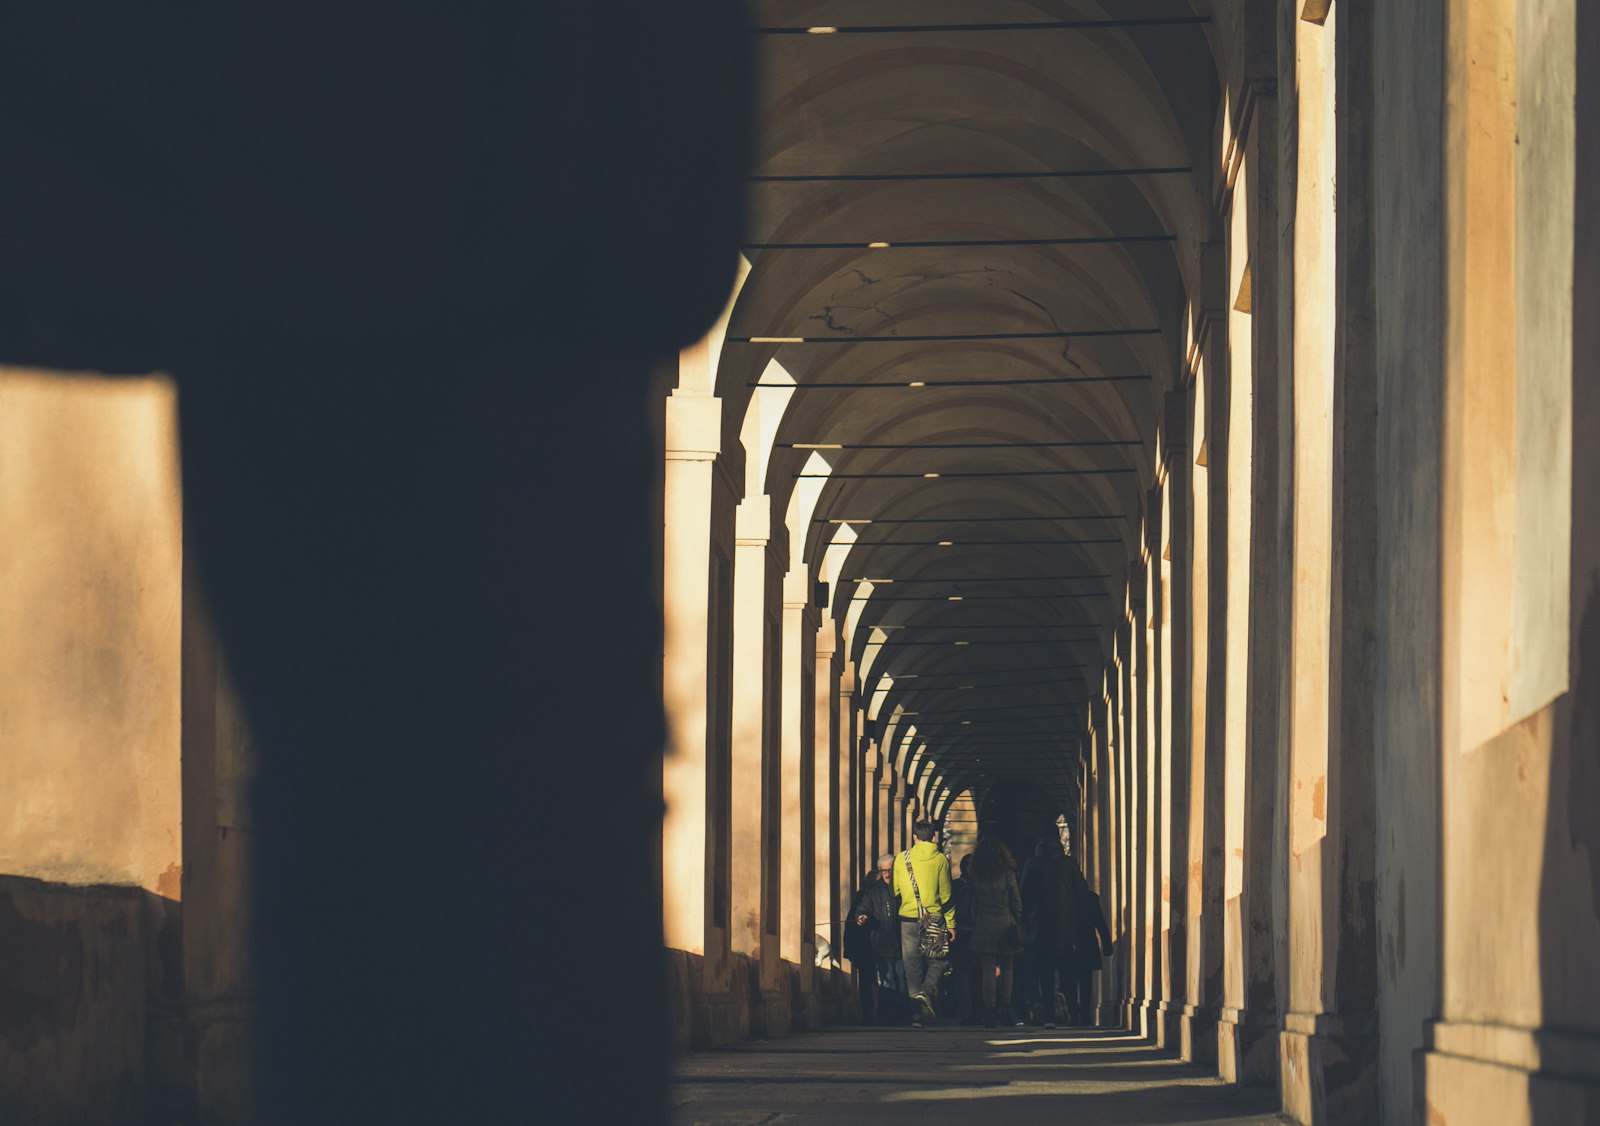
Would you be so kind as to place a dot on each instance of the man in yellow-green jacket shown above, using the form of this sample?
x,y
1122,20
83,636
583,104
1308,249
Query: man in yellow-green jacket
x,y
931,869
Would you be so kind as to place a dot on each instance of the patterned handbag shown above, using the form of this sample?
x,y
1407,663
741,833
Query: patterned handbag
x,y
933,939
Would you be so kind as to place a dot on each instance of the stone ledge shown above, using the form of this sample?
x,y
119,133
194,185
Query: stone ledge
x,y
1559,1054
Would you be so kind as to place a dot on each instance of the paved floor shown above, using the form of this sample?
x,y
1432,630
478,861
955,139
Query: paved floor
x,y
950,1074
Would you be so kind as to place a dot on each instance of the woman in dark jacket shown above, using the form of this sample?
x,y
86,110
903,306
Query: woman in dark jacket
x,y
858,948
996,911
1047,910
878,909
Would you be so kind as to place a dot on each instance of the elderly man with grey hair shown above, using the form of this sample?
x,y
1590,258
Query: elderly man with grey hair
x,y
878,908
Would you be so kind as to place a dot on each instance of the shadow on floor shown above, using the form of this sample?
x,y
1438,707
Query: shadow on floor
x,y
958,1075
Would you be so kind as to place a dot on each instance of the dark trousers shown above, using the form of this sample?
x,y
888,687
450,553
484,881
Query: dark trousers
x,y
866,986
1055,969
1078,985
964,981
892,1001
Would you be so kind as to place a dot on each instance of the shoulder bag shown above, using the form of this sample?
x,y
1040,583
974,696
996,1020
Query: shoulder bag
x,y
933,940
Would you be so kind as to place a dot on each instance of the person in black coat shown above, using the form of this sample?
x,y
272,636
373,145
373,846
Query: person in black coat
x,y
877,909
1049,922
963,979
858,949
1090,941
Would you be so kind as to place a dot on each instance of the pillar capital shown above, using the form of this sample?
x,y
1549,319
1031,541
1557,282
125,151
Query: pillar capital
x,y
797,588
827,640
752,521
694,427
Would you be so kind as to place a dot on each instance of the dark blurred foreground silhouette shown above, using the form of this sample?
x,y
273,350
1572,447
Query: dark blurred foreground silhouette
x,y
410,266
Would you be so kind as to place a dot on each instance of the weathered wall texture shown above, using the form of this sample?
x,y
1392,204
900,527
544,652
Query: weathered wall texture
x,y
124,762
90,583
90,635
218,760
73,987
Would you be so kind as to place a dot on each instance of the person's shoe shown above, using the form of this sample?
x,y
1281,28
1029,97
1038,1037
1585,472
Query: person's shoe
x,y
928,1014
1018,1022
988,1018
916,1022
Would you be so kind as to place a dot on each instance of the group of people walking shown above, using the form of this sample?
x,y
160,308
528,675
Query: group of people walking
x,y
1016,947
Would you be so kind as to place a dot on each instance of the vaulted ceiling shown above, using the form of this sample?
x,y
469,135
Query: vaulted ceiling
x,y
985,384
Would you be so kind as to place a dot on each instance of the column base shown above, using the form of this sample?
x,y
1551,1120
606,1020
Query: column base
x,y
1328,1068
1149,1016
1169,1018
1197,1034
1247,1047
770,1015
805,1005
1509,1076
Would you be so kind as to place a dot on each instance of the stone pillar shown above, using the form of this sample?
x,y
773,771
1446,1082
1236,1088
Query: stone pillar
x,y
754,891
697,512
1208,655
1115,979
1247,1041
871,804
1129,642
887,807
797,852
1328,1069
1177,614
827,910
850,768
1126,923
1154,797
1409,193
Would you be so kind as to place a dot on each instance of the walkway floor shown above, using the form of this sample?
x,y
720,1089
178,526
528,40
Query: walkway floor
x,y
952,1074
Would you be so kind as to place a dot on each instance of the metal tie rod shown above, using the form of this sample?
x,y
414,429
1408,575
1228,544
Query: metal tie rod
x,y
945,244
1057,335
1032,25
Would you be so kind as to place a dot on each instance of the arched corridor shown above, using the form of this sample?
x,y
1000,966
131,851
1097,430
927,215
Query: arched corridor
x,y
1098,443
510,518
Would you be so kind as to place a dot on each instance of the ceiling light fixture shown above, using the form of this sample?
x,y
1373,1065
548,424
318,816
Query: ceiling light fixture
x,y
947,543
877,246
815,446
777,340
822,31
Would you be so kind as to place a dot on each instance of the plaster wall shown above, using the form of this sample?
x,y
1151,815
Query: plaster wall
x,y
90,719
1518,995
90,633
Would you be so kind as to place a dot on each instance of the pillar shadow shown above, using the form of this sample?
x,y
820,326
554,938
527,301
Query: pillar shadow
x,y
1569,902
